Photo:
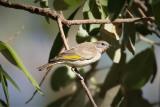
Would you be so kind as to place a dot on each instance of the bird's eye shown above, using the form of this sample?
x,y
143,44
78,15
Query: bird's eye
x,y
102,44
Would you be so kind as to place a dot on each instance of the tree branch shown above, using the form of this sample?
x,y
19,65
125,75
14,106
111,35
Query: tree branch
x,y
75,69
54,15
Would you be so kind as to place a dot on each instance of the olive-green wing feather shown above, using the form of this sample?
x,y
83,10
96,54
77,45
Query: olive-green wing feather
x,y
80,52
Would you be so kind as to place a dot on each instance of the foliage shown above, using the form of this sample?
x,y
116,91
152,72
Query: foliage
x,y
130,75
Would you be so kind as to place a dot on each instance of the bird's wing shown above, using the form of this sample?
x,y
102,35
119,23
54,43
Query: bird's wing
x,y
81,52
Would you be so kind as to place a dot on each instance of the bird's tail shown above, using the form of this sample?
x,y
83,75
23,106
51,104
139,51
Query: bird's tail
x,y
45,66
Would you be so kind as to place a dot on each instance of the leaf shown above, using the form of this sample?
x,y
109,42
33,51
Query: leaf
x,y
13,58
129,36
66,4
114,8
82,35
72,3
60,78
58,43
93,6
9,78
139,70
2,103
156,6
111,30
5,87
134,99
117,99
113,78
92,10
117,56
112,52
59,102
60,5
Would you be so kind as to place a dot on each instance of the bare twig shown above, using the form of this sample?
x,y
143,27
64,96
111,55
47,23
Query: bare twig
x,y
75,69
141,4
40,84
54,15
85,87
62,33
151,25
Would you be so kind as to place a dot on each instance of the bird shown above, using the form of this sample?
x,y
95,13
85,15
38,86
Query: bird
x,y
81,55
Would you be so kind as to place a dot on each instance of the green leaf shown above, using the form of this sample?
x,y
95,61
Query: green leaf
x,y
8,52
60,78
94,9
72,3
139,70
129,36
82,35
9,78
58,43
60,5
156,6
2,103
114,76
66,4
114,8
5,87
134,99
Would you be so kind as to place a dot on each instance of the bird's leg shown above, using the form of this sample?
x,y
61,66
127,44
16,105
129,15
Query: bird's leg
x,y
75,70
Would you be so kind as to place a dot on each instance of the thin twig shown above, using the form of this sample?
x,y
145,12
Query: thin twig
x,y
62,33
75,69
54,14
40,84
151,25
85,87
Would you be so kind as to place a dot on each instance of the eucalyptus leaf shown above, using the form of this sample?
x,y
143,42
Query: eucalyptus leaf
x,y
129,36
94,9
60,5
8,52
156,6
5,87
2,103
139,70
113,78
66,4
134,98
114,8
9,78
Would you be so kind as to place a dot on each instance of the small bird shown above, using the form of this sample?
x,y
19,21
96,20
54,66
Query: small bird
x,y
81,55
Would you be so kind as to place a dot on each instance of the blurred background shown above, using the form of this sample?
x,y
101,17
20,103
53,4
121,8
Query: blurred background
x,y
32,38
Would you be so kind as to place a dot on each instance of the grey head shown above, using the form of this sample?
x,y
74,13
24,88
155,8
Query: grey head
x,y
102,46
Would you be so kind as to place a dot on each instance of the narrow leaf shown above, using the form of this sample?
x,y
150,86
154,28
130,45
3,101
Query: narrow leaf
x,y
5,88
9,78
114,7
9,53
136,73
129,36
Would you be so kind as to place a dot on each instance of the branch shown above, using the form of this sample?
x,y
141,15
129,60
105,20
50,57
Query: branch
x,y
75,69
54,15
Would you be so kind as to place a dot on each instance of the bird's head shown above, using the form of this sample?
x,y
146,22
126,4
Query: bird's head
x,y
102,46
